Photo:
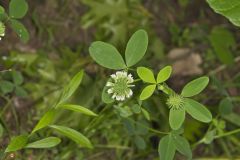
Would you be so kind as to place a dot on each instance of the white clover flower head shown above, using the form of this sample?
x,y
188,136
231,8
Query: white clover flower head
x,y
2,30
175,101
120,85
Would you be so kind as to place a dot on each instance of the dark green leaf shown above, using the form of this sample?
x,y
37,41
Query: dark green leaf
x,y
106,55
17,143
17,77
77,108
166,148
222,47
20,92
176,118
197,110
20,29
44,143
106,98
195,87
225,106
136,47
136,108
140,143
182,145
6,87
73,135
18,8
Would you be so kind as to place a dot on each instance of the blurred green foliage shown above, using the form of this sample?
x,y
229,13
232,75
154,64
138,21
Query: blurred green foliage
x,y
33,74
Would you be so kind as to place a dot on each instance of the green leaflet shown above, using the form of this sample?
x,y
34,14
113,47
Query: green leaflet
x,y
146,74
6,86
71,87
164,74
197,110
17,143
106,55
140,142
18,8
176,118
136,47
147,92
225,106
182,145
20,29
228,8
73,135
77,108
44,143
45,120
195,86
222,47
166,148
106,98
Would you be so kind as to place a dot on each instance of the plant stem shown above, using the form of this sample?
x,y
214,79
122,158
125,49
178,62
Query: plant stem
x,y
227,133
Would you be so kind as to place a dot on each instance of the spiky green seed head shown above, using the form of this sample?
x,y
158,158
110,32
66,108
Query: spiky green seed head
x,y
175,101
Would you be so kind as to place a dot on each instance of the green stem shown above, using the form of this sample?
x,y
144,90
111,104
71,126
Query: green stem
x,y
227,133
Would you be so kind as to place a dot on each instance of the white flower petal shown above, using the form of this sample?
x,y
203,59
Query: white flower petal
x,y
113,76
109,84
118,98
110,91
114,95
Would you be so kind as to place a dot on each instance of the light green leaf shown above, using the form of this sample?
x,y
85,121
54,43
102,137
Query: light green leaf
x,y
146,74
17,77
6,86
182,145
20,29
44,143
18,8
222,47
197,110
166,148
147,92
136,47
209,137
106,55
106,98
78,108
227,8
195,87
73,135
17,143
164,74
176,118
71,87
45,120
